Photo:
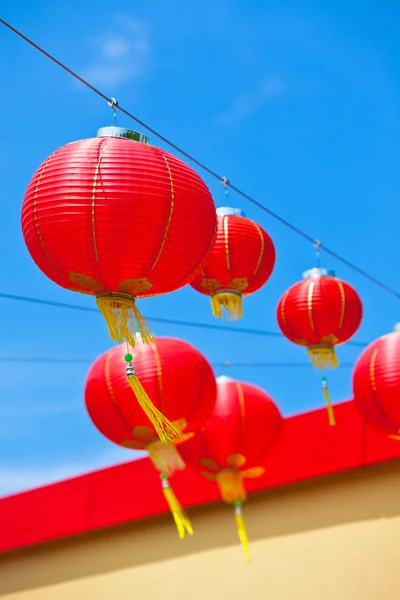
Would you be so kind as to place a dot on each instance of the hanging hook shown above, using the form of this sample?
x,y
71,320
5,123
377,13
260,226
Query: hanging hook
x,y
317,245
225,183
113,103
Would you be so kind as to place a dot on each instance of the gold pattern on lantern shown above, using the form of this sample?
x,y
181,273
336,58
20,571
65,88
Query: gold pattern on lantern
x,y
343,299
35,217
226,237
108,378
96,176
90,285
171,210
209,463
133,444
209,476
301,342
147,435
372,369
236,461
260,233
329,340
253,473
211,284
239,283
134,286
143,432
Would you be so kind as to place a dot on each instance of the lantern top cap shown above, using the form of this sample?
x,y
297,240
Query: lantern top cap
x,y
223,379
137,337
224,211
317,272
122,132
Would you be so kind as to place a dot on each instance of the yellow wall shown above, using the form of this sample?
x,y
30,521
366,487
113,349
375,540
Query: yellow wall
x,y
335,538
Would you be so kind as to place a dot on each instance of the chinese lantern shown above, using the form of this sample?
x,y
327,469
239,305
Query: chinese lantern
x,y
180,383
240,262
235,443
118,219
376,384
320,313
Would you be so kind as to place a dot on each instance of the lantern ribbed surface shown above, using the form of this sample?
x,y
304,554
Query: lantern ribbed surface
x,y
177,378
376,384
242,258
115,215
319,310
239,435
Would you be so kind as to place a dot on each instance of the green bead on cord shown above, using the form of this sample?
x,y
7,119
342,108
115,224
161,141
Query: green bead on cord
x,y
128,357
163,476
238,504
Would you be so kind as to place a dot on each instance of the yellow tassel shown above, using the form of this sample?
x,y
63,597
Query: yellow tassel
x,y
323,357
123,318
241,527
231,301
181,519
325,390
167,431
231,486
165,458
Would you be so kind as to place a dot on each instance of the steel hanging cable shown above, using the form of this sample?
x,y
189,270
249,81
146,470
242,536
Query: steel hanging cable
x,y
167,321
227,364
210,171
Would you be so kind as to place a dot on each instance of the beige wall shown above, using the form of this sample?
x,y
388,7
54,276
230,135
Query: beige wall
x,y
335,538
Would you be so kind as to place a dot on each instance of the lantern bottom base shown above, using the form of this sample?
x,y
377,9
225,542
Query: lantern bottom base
x,y
323,357
123,318
231,301
231,486
165,458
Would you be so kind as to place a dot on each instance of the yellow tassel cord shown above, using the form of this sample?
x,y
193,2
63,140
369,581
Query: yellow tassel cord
x,y
241,527
165,458
323,357
181,519
232,490
325,391
166,431
123,318
231,301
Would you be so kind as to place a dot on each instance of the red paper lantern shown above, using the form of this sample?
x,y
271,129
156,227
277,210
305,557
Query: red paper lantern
x,y
180,383
116,218
240,263
235,442
376,383
320,313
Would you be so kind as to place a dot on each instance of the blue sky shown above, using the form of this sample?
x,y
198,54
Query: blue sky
x,y
295,102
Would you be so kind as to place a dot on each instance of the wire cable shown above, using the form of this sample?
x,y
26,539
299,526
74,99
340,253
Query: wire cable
x,y
207,169
178,322
227,364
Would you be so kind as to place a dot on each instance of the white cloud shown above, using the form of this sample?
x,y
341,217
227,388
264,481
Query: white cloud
x,y
15,478
121,54
115,48
270,87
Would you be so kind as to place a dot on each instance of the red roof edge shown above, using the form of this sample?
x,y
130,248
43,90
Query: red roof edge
x,y
307,448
